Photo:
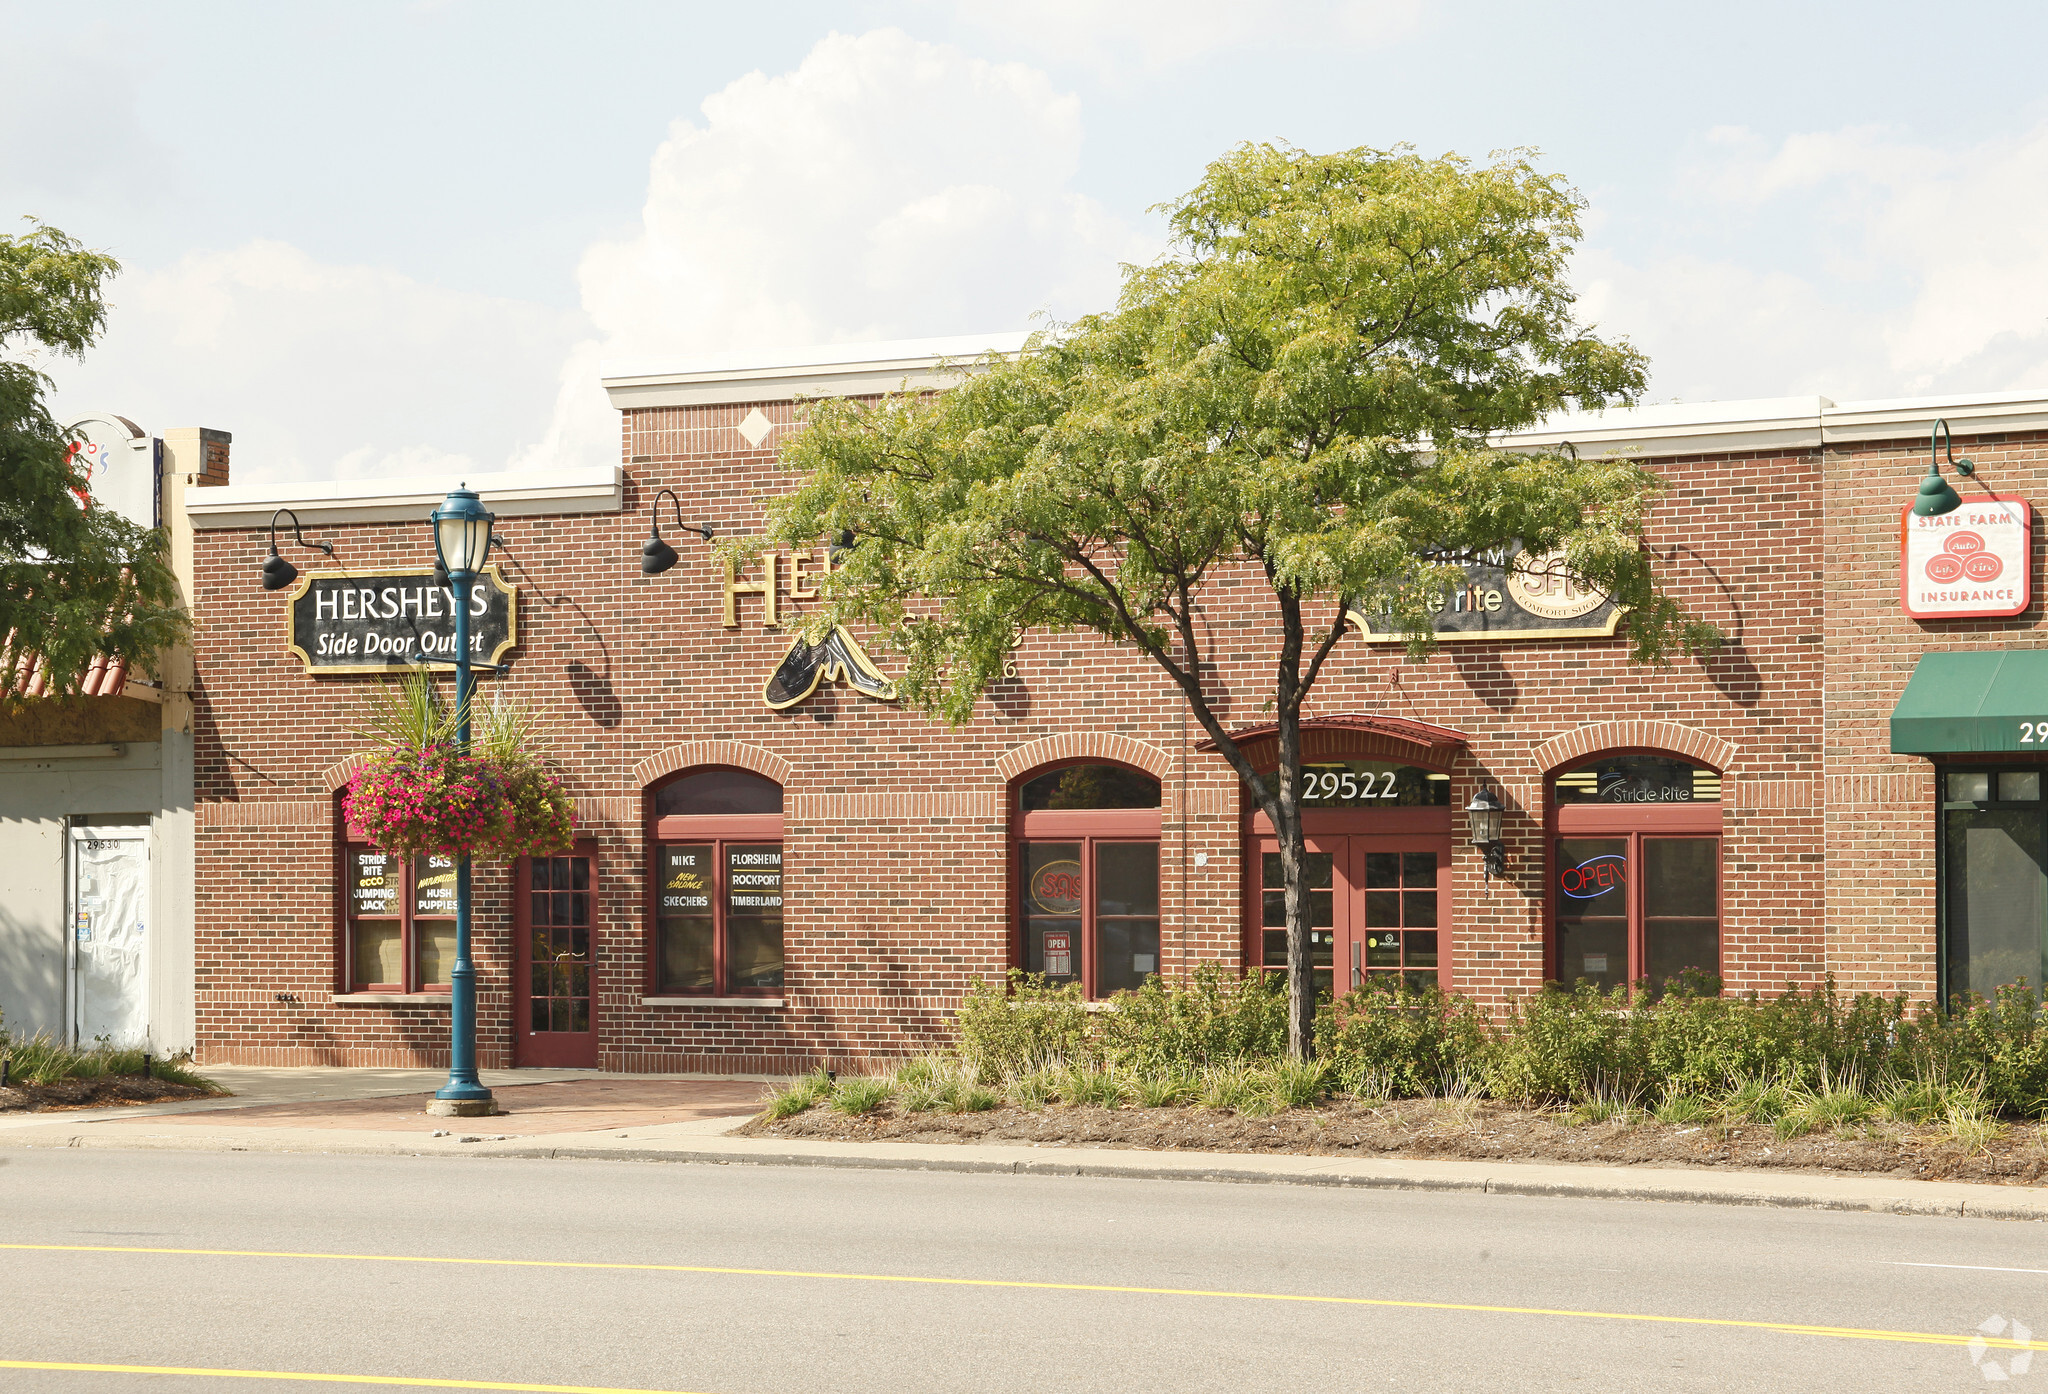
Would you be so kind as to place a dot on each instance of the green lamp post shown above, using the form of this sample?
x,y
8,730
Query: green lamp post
x,y
462,540
1936,496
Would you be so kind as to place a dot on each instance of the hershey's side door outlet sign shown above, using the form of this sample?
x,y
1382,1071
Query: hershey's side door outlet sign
x,y
369,623
1975,561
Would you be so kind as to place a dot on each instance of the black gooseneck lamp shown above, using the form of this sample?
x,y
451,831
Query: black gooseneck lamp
x,y
277,572
656,556
1484,812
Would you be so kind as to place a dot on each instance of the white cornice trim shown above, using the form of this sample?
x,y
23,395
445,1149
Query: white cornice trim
x,y
1780,423
1976,413
509,494
779,375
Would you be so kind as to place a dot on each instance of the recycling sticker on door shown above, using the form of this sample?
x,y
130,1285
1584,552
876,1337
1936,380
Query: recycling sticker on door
x,y
1973,561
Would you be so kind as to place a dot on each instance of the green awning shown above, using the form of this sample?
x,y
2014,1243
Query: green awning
x,y
1986,699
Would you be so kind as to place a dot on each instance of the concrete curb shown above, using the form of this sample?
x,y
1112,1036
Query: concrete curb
x,y
1799,1191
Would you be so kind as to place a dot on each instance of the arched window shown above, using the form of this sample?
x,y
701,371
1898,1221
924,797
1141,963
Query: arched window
x,y
715,896
1086,853
1635,885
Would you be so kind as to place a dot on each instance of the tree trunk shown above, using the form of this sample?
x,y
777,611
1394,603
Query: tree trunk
x,y
1301,982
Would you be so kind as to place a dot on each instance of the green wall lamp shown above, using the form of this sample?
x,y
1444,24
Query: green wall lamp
x,y
1935,495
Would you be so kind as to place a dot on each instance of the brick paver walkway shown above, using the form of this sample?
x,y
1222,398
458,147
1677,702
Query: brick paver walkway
x,y
565,1106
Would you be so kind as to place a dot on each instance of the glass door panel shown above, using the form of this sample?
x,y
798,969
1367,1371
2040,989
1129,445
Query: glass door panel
x,y
1126,915
1681,907
1401,909
1051,911
1997,901
559,925
1322,909
1592,910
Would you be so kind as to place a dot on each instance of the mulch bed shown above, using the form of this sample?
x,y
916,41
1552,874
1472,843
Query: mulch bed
x,y
101,1091
1425,1128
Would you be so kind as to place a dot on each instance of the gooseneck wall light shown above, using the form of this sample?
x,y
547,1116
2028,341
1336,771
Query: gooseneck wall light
x,y
1936,496
462,543
656,556
1484,814
277,572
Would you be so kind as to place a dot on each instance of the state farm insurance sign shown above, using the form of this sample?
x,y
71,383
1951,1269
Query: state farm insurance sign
x,y
1973,562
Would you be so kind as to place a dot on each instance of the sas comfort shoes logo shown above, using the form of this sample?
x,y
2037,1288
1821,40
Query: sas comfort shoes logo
x,y
1991,1367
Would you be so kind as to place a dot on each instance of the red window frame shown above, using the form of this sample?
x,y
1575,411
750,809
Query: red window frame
x,y
1090,827
1634,823
348,841
719,831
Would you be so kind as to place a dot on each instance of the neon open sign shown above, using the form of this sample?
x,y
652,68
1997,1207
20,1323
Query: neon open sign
x,y
1594,877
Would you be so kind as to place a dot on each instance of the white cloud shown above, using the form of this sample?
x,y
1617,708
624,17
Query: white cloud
x,y
885,188
321,371
1156,34
1923,270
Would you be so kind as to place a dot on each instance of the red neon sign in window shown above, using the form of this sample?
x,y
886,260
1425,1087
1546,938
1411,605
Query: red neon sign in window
x,y
1594,877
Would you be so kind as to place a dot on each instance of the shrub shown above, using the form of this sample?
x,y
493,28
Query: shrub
x,y
1165,1090
1233,1088
43,1059
860,1095
1210,1017
1389,1040
1299,1083
1101,1088
974,1098
799,1095
1684,1108
1033,1089
1022,1025
1551,1046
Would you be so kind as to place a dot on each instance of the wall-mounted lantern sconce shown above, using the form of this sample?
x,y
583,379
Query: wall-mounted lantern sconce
x,y
1484,812
277,572
657,556
1936,497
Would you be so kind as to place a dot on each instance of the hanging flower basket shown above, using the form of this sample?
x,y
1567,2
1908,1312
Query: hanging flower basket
x,y
421,793
436,800
540,816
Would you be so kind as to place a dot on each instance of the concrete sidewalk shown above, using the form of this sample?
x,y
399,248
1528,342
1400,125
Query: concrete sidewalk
x,y
581,1114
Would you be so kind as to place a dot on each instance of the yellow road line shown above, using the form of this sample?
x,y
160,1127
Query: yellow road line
x,y
409,1381
1928,1338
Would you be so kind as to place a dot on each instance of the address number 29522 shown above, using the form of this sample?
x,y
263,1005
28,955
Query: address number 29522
x,y
1329,784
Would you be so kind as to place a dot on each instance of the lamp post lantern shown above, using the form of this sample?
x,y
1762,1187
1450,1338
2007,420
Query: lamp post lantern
x,y
462,541
1484,812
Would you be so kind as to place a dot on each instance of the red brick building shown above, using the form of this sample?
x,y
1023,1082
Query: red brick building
x,y
781,867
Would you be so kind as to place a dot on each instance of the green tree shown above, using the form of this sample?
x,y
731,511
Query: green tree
x,y
75,582
1301,393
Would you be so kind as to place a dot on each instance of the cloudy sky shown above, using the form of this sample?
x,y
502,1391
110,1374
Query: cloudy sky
x,y
379,238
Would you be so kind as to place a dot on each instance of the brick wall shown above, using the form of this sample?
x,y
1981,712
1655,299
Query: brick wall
x,y
895,846
1882,839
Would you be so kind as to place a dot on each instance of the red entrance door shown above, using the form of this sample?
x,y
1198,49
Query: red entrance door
x,y
554,999
1379,895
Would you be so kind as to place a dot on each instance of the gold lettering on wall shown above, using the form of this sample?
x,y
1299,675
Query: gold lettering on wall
x,y
765,588
802,583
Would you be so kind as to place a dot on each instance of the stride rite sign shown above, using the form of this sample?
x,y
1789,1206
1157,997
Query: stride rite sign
x,y
1975,561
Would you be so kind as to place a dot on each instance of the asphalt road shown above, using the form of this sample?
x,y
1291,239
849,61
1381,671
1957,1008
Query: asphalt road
x,y
468,1270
